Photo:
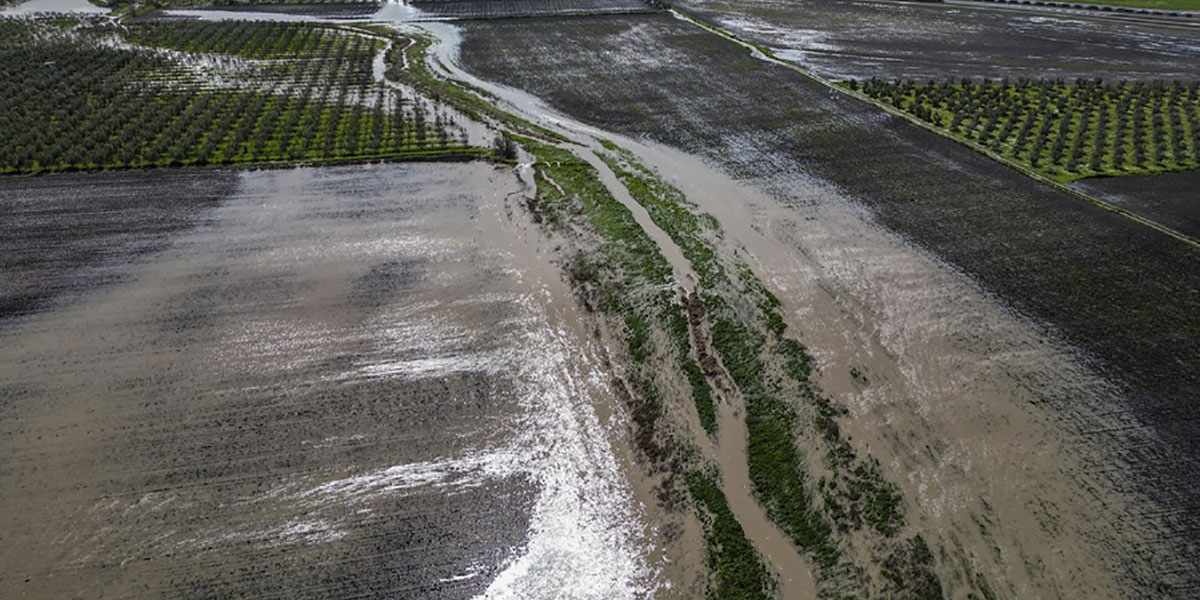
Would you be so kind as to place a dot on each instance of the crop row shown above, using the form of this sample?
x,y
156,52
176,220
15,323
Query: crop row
x,y
1064,130
160,94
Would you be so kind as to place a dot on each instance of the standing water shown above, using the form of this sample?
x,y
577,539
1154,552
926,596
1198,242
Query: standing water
x,y
361,378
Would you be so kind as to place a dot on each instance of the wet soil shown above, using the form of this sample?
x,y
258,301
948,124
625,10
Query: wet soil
x,y
1080,339
1172,199
361,381
861,39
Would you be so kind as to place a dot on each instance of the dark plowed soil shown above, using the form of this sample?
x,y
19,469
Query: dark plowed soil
x,y
849,38
1172,199
1123,294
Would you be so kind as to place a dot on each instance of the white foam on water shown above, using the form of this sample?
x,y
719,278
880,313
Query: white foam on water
x,y
584,538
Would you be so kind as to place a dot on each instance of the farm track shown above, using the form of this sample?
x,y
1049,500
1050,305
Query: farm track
x,y
777,132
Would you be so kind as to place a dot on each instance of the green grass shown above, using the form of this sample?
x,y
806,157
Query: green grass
x,y
1065,131
71,100
738,571
706,407
568,189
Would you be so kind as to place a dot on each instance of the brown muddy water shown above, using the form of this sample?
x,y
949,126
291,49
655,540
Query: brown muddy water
x,y
345,382
1001,436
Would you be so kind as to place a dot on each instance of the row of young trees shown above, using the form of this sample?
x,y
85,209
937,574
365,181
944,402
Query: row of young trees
x,y
72,98
1066,130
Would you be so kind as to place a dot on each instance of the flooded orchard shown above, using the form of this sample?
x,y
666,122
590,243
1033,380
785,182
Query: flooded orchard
x,y
363,381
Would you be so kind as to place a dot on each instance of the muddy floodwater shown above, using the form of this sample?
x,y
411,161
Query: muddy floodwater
x,y
350,382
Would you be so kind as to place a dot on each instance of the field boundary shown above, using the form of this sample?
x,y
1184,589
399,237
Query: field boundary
x,y
765,54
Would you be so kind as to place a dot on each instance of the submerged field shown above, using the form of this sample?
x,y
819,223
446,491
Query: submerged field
x,y
1067,265
361,378
87,95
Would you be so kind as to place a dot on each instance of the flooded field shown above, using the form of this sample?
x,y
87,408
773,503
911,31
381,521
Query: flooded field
x,y
861,39
951,306
307,383
722,331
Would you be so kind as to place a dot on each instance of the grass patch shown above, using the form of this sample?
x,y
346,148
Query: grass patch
x,y
738,571
747,331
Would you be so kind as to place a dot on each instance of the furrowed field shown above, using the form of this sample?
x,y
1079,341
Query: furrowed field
x,y
1063,130
92,95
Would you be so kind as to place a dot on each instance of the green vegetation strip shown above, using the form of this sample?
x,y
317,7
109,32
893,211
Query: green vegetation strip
x,y
749,339
739,572
1065,131
229,93
632,279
